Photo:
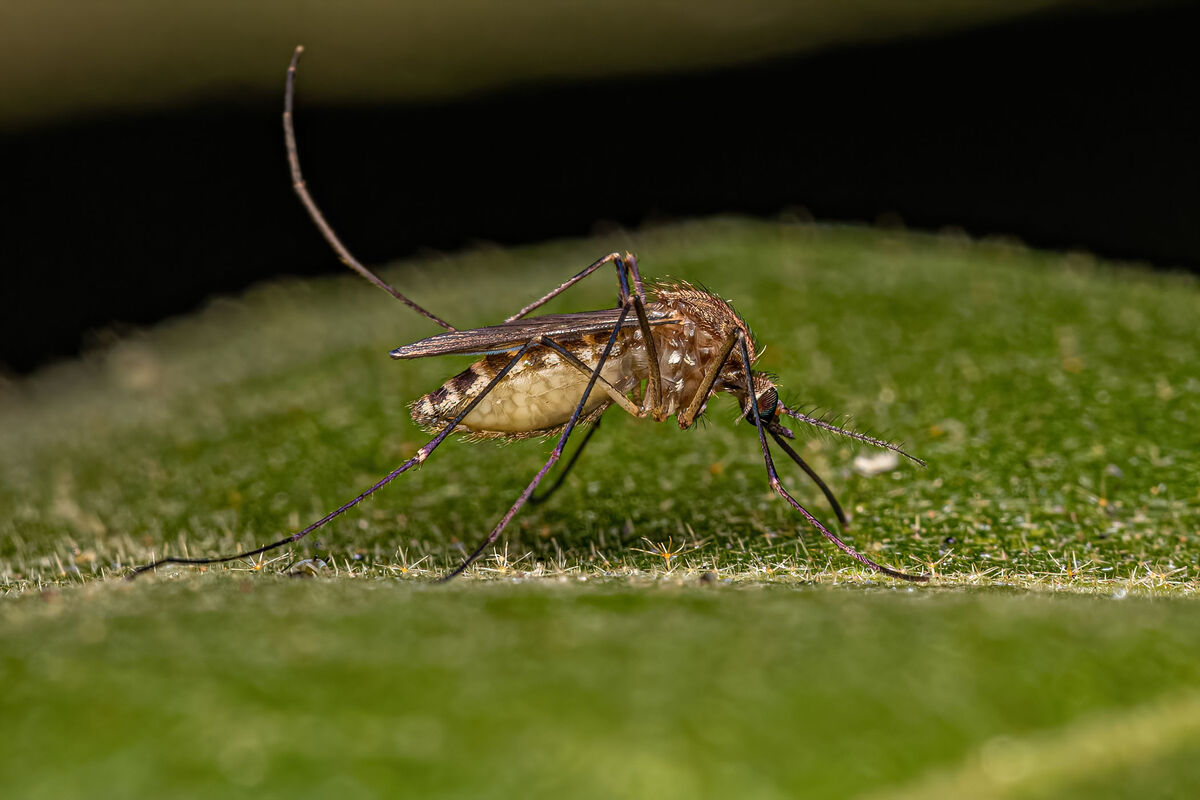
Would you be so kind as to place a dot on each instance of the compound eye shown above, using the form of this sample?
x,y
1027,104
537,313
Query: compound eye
x,y
767,404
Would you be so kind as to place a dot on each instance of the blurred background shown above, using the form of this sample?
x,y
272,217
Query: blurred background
x,y
143,164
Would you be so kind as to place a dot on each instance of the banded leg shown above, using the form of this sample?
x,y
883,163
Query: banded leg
x,y
538,499
419,458
298,183
554,456
777,486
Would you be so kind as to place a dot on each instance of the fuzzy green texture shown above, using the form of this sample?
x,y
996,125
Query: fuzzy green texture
x,y
663,626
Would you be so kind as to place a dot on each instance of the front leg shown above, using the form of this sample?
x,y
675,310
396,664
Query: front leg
x,y
777,485
711,372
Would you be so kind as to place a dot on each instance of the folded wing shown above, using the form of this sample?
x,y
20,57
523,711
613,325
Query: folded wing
x,y
511,335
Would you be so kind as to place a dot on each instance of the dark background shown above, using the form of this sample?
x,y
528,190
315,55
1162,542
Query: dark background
x,y
1066,131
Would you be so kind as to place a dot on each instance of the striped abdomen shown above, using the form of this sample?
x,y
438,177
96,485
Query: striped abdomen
x,y
536,397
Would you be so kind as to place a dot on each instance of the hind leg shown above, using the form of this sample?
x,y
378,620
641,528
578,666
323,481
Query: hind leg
x,y
554,456
419,458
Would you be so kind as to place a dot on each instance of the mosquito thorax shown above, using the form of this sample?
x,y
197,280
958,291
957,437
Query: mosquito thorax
x,y
687,348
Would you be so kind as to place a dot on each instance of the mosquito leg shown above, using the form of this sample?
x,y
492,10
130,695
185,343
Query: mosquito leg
x,y
653,400
632,265
298,183
608,388
654,396
626,267
537,499
715,364
787,448
554,456
419,458
777,487
588,270
688,416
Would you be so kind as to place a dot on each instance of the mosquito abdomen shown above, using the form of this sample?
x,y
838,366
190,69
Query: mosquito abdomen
x,y
538,395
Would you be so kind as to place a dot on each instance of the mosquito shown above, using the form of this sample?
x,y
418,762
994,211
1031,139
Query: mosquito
x,y
665,350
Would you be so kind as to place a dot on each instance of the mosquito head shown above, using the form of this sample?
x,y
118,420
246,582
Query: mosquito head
x,y
769,407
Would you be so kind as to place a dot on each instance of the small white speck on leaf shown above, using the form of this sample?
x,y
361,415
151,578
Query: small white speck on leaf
x,y
872,464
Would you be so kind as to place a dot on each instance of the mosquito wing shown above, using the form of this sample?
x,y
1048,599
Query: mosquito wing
x,y
510,335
